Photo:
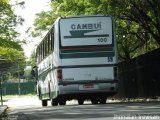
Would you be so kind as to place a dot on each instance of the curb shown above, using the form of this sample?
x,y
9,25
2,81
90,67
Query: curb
x,y
3,109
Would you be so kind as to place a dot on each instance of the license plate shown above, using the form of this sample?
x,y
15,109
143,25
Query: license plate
x,y
88,87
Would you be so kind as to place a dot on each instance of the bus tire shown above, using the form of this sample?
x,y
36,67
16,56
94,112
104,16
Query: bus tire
x,y
54,102
102,100
62,102
94,101
44,102
80,101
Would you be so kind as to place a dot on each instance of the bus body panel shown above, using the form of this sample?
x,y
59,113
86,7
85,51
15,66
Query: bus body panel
x,y
89,61
90,73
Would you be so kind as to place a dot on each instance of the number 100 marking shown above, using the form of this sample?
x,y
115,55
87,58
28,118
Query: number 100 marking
x,y
102,39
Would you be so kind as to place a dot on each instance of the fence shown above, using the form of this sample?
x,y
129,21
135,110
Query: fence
x,y
12,88
140,77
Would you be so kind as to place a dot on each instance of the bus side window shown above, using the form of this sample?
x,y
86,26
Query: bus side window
x,y
52,39
40,52
43,49
44,43
49,42
46,46
37,54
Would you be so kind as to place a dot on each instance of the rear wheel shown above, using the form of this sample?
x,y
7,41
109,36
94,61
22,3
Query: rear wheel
x,y
44,102
103,100
94,101
54,102
80,101
62,102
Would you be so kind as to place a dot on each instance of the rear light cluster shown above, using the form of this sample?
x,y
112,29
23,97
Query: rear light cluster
x,y
59,74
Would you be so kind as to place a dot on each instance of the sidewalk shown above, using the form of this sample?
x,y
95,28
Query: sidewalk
x,y
2,109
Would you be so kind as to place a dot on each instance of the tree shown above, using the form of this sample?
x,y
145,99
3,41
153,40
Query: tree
x,y
43,22
10,47
146,14
32,61
133,35
29,66
137,17
8,21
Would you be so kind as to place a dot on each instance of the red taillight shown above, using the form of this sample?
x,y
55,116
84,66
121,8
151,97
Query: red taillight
x,y
59,74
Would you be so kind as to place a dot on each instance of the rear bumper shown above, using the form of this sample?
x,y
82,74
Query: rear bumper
x,y
73,90
86,95
86,81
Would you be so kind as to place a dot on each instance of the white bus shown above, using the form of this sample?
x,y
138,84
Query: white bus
x,y
77,59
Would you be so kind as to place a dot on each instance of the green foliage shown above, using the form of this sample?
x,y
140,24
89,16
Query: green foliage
x,y
32,61
10,53
8,21
27,73
136,22
13,55
10,49
147,15
43,22
10,44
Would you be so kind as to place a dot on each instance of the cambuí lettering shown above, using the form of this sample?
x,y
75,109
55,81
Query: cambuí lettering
x,y
90,26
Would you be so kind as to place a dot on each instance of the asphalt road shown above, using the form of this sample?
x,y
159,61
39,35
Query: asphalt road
x,y
29,108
